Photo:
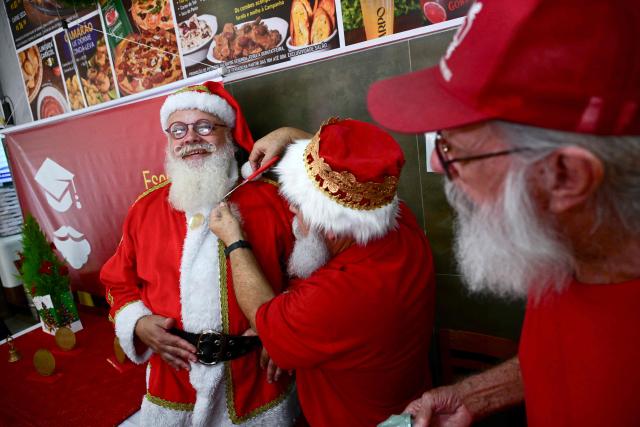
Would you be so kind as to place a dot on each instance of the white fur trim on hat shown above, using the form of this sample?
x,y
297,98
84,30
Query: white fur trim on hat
x,y
321,212
191,100
125,321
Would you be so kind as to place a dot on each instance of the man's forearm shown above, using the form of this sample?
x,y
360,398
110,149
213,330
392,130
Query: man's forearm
x,y
251,286
492,390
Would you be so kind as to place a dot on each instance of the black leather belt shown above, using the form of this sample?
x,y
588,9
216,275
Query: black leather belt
x,y
215,347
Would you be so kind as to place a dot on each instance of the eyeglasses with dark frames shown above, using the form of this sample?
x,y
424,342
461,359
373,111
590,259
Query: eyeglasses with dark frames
x,y
203,127
443,147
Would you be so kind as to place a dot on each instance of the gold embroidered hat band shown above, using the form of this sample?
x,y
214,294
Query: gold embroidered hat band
x,y
360,145
345,178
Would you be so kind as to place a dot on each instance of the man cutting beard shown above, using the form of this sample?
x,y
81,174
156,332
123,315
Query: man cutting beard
x,y
538,136
356,324
169,283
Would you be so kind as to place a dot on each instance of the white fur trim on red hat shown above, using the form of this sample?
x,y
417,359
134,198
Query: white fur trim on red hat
x,y
192,100
322,212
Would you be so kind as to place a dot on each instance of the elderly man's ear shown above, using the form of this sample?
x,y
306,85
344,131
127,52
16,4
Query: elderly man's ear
x,y
570,177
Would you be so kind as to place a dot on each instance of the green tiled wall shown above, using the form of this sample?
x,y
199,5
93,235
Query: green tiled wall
x,y
305,96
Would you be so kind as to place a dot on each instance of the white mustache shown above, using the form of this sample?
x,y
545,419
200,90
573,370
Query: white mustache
x,y
67,231
188,149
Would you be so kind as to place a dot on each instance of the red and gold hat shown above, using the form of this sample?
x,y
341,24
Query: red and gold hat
x,y
210,97
344,180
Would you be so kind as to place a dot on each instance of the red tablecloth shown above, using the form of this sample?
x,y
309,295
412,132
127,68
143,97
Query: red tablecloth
x,y
85,389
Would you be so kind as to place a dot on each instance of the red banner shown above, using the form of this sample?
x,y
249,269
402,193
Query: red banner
x,y
79,176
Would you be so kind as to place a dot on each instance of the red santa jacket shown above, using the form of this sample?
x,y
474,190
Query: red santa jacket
x,y
168,264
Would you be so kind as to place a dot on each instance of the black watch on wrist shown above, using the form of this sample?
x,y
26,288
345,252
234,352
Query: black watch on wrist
x,y
235,245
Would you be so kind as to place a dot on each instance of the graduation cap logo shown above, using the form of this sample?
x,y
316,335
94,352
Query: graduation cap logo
x,y
58,185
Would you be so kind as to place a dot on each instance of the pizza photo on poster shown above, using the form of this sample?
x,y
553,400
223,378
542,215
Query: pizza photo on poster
x,y
43,79
32,19
251,34
94,82
143,43
373,19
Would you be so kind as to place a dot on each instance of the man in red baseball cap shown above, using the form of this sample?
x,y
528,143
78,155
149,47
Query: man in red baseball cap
x,y
168,285
356,323
537,108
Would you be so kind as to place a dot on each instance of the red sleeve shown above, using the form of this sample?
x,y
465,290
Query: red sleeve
x,y
266,221
310,323
119,273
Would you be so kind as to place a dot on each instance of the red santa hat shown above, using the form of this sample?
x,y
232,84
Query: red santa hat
x,y
566,65
344,180
210,97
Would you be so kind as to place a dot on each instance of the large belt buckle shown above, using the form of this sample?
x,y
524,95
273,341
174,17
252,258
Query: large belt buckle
x,y
219,340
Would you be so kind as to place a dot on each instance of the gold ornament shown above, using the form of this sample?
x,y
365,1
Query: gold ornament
x,y
196,221
65,338
44,362
343,187
14,354
117,349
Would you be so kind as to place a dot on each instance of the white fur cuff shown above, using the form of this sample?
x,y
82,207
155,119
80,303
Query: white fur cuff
x,y
125,326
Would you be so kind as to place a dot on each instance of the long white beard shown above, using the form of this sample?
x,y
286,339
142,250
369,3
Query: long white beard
x,y
506,247
310,252
201,186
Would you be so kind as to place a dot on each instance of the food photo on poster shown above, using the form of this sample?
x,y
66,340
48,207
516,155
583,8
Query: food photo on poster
x,y
312,29
32,19
94,82
251,34
42,77
143,44
373,19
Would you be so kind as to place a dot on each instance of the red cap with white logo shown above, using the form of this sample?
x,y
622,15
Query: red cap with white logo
x,y
570,65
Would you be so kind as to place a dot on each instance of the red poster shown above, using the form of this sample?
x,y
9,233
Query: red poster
x,y
79,176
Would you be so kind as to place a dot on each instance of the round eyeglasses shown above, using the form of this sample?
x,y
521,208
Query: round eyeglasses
x,y
443,148
203,127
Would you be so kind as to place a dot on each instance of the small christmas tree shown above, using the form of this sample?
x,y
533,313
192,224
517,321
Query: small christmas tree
x,y
46,278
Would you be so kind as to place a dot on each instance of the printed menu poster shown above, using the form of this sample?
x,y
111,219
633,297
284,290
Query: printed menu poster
x,y
42,79
96,82
372,19
32,19
251,34
143,43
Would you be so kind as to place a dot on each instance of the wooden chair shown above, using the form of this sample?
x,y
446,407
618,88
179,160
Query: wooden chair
x,y
462,353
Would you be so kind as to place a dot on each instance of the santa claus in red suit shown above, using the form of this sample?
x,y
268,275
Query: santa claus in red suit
x,y
356,322
169,282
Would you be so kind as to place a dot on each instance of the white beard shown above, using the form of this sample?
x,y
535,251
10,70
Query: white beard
x,y
203,185
507,247
310,252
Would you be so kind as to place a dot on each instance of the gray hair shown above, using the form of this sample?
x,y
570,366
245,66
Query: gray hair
x,y
619,195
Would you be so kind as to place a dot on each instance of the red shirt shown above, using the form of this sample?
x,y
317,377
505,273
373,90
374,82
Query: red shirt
x,y
358,330
580,356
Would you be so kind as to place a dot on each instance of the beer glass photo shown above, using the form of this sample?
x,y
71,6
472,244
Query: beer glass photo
x,y
378,17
